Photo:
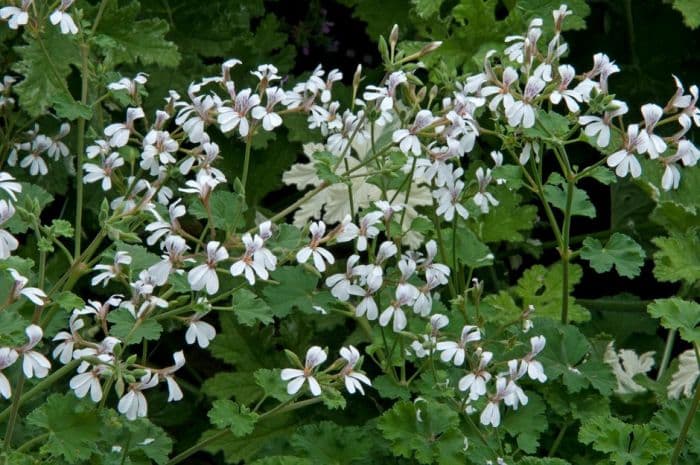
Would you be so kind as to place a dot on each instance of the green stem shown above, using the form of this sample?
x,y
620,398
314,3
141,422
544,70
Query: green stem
x,y
558,439
32,442
80,148
566,253
246,160
680,442
670,340
13,412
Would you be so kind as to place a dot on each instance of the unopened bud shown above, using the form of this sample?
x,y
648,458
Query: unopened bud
x,y
357,77
394,37
431,47
421,94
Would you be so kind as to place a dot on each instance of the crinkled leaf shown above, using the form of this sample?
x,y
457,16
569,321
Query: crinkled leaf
x,y
625,444
508,220
123,38
68,301
250,309
270,381
469,250
678,257
228,414
670,420
295,289
542,287
620,250
72,424
227,210
679,314
556,195
124,324
690,9
527,423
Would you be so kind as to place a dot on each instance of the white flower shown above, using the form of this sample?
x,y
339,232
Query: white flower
x,y
434,271
270,119
683,381
158,149
133,404
394,311
201,331
111,271
448,197
59,16
175,248
96,173
595,125
626,364
624,159
483,198
502,89
129,85
408,138
571,97
455,351
367,305
8,356
320,255
353,379
476,380
9,185
34,294
491,414
174,391
64,351
522,112
160,228
535,370
652,114
204,275
118,133
230,118
33,363
341,284
194,117
671,177
8,243
89,381
16,17
314,357
256,260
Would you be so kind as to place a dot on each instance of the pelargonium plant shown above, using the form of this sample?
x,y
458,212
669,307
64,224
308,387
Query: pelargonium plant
x,y
362,321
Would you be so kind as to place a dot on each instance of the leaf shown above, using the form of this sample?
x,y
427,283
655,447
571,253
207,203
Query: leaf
x,y
282,460
549,124
678,314
141,258
508,219
678,257
147,441
67,107
675,217
670,420
122,38
542,287
124,324
227,210
527,423
620,250
12,327
295,289
68,301
237,418
238,385
469,250
424,430
690,9
625,444
603,175
328,443
250,309
72,424
555,193
33,199
388,389
272,384
568,354
45,64
427,8
543,8
542,461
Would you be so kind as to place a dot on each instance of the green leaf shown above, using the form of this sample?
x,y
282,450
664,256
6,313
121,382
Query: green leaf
x,y
555,193
675,217
542,287
228,414
527,423
141,258
149,443
427,8
670,420
625,444
12,327
61,228
678,257
568,354
690,9
543,8
124,324
620,250
324,163
329,443
72,424
270,381
603,175
388,389
68,301
67,107
549,124
282,460
295,289
542,461
426,431
508,219
227,210
470,251
332,398
45,64
122,38
33,199
678,314
250,309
